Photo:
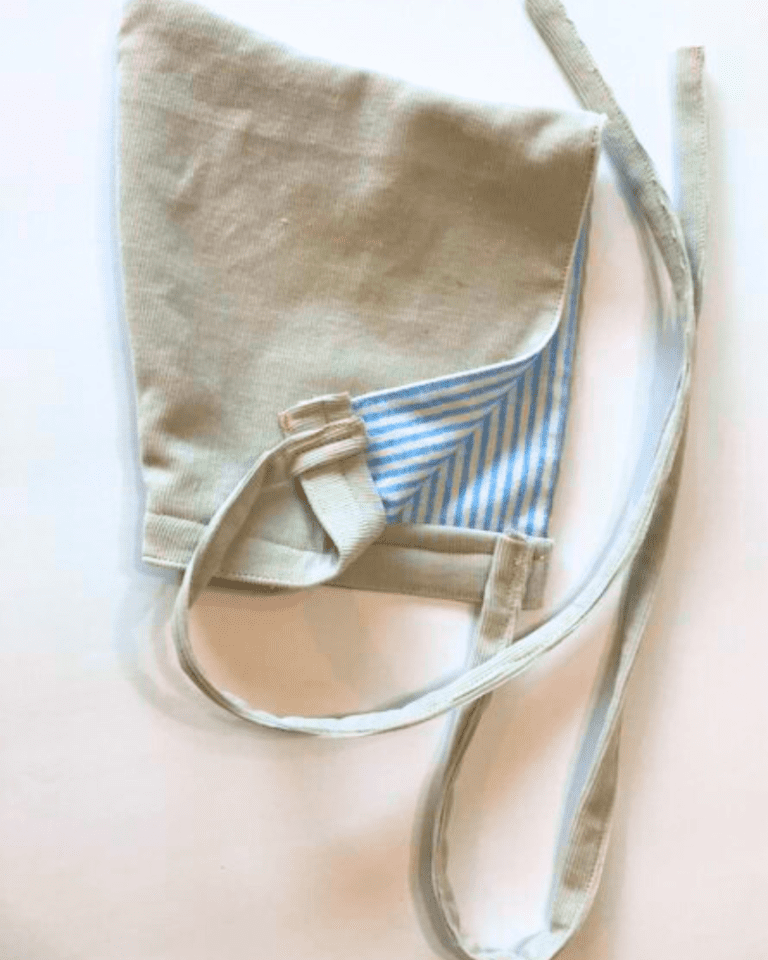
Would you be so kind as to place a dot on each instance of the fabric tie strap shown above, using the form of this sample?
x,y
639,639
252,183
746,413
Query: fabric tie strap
x,y
325,458
323,451
584,832
508,661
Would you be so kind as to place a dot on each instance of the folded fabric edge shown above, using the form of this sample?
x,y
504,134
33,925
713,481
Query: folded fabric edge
x,y
410,559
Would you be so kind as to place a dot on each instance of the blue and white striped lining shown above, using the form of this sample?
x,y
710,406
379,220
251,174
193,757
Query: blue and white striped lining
x,y
479,449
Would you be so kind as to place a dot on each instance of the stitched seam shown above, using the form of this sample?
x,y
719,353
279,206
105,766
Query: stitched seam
x,y
439,550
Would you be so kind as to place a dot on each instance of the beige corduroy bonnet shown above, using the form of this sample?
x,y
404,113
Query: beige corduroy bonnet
x,y
353,307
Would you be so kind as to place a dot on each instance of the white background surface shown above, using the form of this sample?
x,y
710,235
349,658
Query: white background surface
x,y
138,822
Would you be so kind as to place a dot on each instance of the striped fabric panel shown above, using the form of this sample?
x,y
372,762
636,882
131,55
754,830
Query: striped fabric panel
x,y
479,449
